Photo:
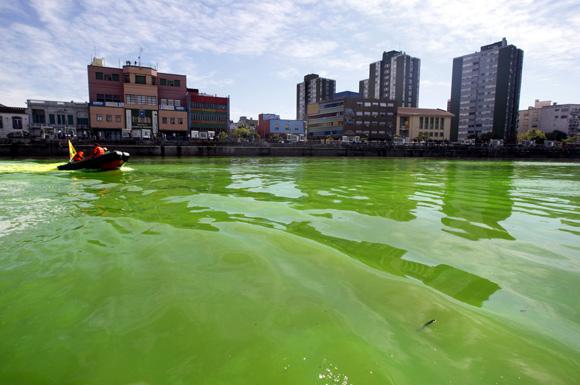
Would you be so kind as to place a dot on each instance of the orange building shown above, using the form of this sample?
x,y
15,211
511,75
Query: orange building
x,y
136,101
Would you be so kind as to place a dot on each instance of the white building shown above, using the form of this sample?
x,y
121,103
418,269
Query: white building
x,y
560,117
530,119
13,122
50,119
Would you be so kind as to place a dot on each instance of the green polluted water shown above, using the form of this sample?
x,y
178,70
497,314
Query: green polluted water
x,y
290,271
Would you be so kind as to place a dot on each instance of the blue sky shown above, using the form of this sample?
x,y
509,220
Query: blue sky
x,y
256,51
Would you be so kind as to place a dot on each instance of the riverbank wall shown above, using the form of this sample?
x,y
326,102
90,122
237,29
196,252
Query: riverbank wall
x,y
60,149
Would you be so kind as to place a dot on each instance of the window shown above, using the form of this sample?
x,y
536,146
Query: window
x,y
115,77
99,75
176,83
162,82
164,102
38,117
51,119
140,79
99,117
141,99
1,123
109,118
60,120
177,103
164,120
126,78
70,120
172,120
17,122
118,118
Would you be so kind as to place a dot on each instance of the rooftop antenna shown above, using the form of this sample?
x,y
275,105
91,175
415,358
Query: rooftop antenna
x,y
139,57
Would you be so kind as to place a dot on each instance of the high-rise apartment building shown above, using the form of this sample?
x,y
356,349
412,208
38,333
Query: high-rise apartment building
x,y
485,92
395,77
312,90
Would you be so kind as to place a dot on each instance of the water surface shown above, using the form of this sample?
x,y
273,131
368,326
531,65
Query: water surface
x,y
290,271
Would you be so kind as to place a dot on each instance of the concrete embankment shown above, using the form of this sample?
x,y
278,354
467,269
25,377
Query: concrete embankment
x,y
58,149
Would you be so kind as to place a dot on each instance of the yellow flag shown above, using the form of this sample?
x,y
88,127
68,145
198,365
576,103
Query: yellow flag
x,y
71,150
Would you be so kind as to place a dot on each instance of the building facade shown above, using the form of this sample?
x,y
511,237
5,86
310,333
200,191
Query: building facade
x,y
560,117
50,119
312,90
13,122
208,115
485,92
368,118
136,101
271,124
530,119
423,124
395,77
244,121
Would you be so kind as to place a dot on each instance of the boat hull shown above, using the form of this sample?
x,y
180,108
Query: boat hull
x,y
111,160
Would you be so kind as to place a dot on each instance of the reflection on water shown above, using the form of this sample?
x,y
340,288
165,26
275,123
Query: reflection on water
x,y
461,285
477,198
291,271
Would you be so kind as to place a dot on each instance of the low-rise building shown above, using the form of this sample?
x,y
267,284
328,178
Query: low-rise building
x,y
271,124
136,101
53,119
352,116
13,122
244,121
208,114
560,117
530,119
423,124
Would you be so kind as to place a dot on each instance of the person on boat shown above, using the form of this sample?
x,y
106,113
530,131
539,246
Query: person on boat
x,y
97,151
78,156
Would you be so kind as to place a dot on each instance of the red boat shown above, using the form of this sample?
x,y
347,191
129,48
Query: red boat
x,y
110,160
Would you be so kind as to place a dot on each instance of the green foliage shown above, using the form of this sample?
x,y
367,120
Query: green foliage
x,y
556,135
422,136
535,135
222,136
243,133
485,137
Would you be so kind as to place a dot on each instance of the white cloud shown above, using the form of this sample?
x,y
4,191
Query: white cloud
x,y
46,52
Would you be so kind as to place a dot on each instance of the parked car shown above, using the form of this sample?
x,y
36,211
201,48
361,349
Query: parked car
x,y
18,134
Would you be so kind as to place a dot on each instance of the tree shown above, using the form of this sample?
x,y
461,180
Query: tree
x,y
535,135
242,133
556,135
223,136
422,136
485,137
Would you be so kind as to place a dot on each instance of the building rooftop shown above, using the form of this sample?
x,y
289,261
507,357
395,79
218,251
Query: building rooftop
x,y
410,111
12,110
